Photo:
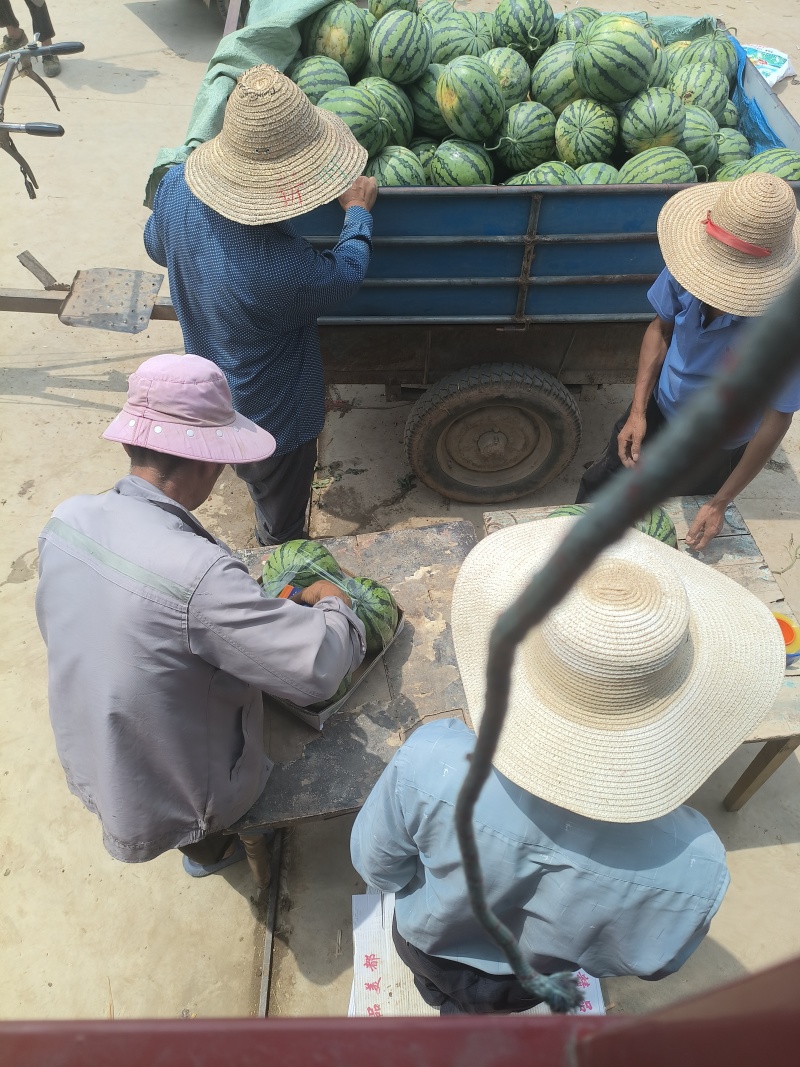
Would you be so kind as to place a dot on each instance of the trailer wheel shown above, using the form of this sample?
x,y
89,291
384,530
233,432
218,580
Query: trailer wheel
x,y
492,432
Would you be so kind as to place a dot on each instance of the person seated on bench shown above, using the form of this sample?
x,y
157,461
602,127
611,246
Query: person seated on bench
x,y
159,643
632,691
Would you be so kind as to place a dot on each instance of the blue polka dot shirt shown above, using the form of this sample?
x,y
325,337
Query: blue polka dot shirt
x,y
248,297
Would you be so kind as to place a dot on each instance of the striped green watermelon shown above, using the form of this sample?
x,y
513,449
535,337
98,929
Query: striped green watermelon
x,y
339,31
436,10
699,140
527,26
664,165
660,74
486,26
571,24
553,80
613,59
656,35
519,179
424,148
369,21
655,523
459,162
703,85
298,563
344,686
395,166
376,608
422,94
469,98
317,74
513,74
731,171
730,116
715,48
400,46
676,54
782,162
362,112
655,117
732,146
598,174
586,132
395,105
527,136
554,173
462,33
379,8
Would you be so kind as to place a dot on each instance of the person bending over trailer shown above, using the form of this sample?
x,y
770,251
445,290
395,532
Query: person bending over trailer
x,y
247,288
159,643
730,248
622,702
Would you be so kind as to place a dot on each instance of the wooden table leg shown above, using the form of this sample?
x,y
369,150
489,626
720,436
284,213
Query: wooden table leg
x,y
255,847
760,769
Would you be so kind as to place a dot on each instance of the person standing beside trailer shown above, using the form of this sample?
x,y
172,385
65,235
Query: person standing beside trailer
x,y
730,249
247,288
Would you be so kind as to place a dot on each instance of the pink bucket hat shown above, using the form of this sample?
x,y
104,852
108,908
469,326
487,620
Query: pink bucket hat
x,y
182,405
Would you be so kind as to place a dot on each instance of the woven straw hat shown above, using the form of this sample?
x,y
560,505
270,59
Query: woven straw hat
x,y
745,258
637,686
277,156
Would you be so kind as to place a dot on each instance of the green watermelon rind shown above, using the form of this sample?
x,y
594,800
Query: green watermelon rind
x,y
317,75
396,167
613,59
361,111
527,136
699,140
401,47
424,149
527,26
553,80
469,98
512,72
572,23
299,562
597,174
656,523
586,132
715,48
396,107
458,163
380,624
555,172
350,43
658,166
702,85
422,94
653,118
783,162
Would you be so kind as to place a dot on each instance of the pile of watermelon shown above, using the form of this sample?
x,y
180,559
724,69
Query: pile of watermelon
x,y
301,563
451,98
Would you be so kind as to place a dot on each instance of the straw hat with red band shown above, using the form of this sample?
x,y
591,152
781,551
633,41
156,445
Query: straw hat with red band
x,y
734,245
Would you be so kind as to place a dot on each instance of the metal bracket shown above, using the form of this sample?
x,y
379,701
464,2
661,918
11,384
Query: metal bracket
x,y
40,272
108,298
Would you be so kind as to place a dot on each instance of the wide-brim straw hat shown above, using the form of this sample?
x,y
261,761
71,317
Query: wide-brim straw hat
x,y
635,688
182,406
725,264
277,156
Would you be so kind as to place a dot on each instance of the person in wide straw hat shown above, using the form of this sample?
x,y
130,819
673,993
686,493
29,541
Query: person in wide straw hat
x,y
630,693
730,249
160,644
248,288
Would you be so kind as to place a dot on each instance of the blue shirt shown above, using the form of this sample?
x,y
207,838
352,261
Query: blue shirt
x,y
248,298
696,352
614,899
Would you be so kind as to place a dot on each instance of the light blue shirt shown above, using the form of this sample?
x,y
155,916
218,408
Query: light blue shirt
x,y
614,899
696,352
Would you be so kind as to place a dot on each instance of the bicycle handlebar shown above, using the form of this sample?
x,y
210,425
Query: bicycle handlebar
x,y
43,129
65,48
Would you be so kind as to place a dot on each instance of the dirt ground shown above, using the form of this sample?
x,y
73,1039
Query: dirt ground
x,y
82,935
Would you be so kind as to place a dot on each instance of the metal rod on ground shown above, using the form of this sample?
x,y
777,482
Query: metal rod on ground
x,y
769,353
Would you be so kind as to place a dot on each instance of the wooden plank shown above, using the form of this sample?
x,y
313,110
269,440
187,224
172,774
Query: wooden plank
x,y
771,756
319,774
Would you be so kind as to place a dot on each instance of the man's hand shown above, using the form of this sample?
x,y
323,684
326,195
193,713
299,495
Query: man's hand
x,y
707,524
362,193
629,440
322,589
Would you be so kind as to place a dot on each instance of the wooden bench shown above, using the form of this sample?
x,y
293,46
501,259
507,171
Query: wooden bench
x,y
735,553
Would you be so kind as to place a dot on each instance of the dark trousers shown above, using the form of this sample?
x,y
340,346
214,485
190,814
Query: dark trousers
x,y
40,17
280,488
457,989
705,482
210,850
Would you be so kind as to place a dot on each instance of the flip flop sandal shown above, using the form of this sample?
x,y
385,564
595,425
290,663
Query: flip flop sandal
x,y
200,870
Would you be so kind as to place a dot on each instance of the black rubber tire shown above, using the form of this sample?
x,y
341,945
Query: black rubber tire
x,y
492,433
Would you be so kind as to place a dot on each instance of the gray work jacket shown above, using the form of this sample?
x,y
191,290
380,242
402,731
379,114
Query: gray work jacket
x,y
159,644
